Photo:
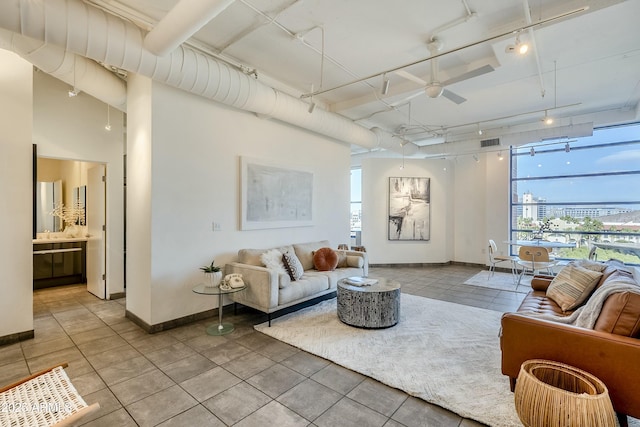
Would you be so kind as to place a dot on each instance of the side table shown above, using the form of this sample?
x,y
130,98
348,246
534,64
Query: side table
x,y
220,328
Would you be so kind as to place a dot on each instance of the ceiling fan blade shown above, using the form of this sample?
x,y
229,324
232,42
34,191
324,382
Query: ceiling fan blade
x,y
453,97
407,98
469,74
407,75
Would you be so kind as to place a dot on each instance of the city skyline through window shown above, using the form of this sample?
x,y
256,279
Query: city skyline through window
x,y
584,190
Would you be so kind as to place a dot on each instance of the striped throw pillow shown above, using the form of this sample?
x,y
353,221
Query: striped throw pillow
x,y
572,286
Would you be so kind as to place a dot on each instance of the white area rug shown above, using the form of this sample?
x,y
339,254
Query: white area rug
x,y
502,281
447,354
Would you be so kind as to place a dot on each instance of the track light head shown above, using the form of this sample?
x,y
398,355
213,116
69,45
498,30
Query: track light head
x,y
312,106
567,147
532,152
385,85
73,92
500,157
107,127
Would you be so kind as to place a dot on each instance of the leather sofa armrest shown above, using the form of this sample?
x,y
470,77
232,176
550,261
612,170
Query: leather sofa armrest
x,y
262,286
611,358
541,283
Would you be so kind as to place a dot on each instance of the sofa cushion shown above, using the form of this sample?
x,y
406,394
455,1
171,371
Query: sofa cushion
x,y
538,302
572,286
307,286
292,265
251,256
620,315
325,259
342,259
304,252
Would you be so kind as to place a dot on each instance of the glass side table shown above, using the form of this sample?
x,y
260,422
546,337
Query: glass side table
x,y
220,328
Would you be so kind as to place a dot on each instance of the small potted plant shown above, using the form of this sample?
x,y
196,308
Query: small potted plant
x,y
213,274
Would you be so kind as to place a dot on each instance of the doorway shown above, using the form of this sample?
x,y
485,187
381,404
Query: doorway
x,y
80,208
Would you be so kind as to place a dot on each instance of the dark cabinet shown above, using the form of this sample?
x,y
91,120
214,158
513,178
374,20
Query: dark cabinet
x,y
57,264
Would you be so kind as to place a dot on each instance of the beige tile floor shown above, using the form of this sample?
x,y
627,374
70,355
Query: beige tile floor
x,y
183,377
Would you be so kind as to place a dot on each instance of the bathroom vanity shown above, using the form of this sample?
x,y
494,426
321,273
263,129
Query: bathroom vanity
x,y
59,261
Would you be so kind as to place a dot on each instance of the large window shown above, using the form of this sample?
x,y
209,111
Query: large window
x,y
356,205
586,191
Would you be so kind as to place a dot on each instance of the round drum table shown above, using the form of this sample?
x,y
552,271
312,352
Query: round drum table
x,y
374,306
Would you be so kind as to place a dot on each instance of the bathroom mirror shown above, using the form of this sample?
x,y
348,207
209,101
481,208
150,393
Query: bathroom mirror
x,y
47,195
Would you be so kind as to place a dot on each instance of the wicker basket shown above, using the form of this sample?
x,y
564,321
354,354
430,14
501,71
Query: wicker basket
x,y
554,394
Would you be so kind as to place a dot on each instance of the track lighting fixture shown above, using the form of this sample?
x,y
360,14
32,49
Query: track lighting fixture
x,y
532,152
73,92
475,157
312,106
479,130
567,147
518,47
107,127
385,84
500,155
547,119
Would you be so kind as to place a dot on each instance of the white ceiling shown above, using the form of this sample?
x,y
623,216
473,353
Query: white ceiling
x,y
585,63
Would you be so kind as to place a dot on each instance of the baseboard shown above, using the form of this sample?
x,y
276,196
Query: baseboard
x,y
170,324
412,264
17,337
432,264
117,295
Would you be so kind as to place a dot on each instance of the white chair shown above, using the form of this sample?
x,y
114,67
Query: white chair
x,y
496,259
534,259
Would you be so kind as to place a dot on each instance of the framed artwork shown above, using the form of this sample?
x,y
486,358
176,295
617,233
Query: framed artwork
x,y
409,208
274,195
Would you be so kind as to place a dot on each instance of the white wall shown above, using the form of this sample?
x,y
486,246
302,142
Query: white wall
x,y
195,148
73,129
16,260
469,205
375,211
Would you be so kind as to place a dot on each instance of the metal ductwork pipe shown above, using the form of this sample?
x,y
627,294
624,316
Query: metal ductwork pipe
x,y
95,34
75,70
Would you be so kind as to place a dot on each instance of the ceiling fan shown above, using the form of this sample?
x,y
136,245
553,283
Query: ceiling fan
x,y
435,88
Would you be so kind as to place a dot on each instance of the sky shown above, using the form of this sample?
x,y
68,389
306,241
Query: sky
x,y
552,160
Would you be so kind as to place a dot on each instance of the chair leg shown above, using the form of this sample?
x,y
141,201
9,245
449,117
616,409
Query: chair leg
x,y
512,383
622,419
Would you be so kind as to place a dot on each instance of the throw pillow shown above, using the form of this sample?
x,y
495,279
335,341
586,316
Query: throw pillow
x,y
292,265
572,286
325,259
272,259
355,261
342,259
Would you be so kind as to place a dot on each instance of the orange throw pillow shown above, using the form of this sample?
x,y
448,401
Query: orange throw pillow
x,y
325,259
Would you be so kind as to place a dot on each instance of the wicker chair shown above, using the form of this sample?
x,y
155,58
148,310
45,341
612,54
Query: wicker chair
x,y
46,398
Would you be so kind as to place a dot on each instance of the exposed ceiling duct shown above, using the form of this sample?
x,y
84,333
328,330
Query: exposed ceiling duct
x,y
92,33
75,70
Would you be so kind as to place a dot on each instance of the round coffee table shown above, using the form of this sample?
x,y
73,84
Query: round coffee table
x,y
374,306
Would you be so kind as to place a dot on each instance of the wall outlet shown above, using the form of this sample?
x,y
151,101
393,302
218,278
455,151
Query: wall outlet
x,y
215,226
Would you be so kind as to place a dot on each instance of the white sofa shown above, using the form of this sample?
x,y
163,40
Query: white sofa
x,y
270,291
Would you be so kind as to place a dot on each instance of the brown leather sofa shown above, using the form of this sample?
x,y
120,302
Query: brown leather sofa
x,y
611,351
